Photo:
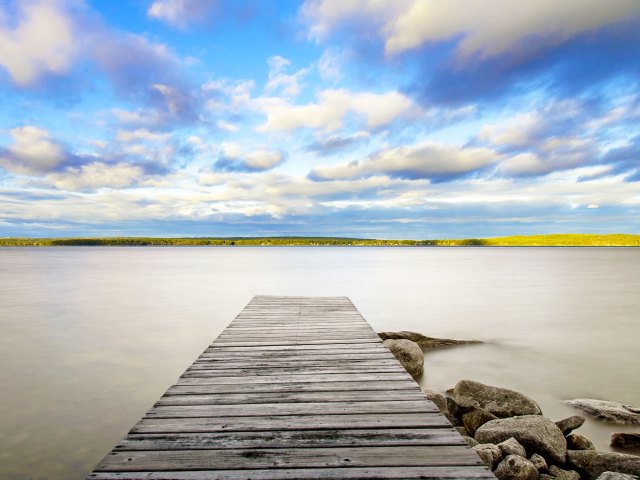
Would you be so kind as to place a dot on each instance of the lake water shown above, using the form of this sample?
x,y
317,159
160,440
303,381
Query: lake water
x,y
91,336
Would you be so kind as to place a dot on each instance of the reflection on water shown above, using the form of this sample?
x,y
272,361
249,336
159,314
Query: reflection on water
x,y
91,337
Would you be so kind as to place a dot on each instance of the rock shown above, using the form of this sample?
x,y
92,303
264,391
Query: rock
x,y
515,467
476,418
595,463
539,462
438,399
462,431
424,342
453,420
570,424
612,412
460,405
575,441
501,402
561,474
511,447
544,476
624,440
409,354
616,476
489,454
472,442
537,434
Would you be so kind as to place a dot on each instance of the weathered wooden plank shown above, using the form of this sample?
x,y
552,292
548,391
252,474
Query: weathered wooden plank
x,y
290,422
284,356
272,409
344,386
332,347
289,458
340,369
290,439
221,342
293,378
342,473
289,397
253,364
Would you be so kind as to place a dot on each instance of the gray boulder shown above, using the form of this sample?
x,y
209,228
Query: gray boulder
x,y
489,454
475,419
537,434
625,440
409,354
570,424
459,405
426,343
596,463
612,412
617,476
575,441
501,402
539,462
514,467
544,476
561,474
512,447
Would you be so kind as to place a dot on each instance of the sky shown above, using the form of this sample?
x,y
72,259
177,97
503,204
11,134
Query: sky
x,y
414,119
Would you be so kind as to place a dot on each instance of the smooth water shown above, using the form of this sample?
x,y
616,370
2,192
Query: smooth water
x,y
91,337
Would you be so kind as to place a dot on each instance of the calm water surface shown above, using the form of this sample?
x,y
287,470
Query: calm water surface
x,y
91,336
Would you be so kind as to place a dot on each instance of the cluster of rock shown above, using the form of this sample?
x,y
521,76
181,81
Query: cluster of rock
x,y
512,437
408,348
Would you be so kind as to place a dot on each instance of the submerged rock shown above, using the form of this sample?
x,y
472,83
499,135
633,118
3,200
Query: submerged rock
x,y
595,463
617,476
409,354
514,467
575,441
612,412
426,343
537,434
501,402
570,424
625,440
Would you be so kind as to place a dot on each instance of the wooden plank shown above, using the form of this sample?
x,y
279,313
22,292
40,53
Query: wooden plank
x,y
253,364
346,473
368,347
345,386
290,439
289,458
273,409
293,378
290,422
279,371
289,397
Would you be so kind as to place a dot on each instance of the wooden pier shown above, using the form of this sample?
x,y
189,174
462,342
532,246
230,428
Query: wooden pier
x,y
294,388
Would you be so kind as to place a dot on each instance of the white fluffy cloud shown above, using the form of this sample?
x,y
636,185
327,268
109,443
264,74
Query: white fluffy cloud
x,y
484,28
426,160
42,41
330,109
233,158
32,152
180,13
280,79
95,176
141,134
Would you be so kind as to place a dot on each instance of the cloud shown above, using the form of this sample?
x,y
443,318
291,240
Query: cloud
x,y
330,65
331,108
141,134
41,41
96,175
468,51
181,13
233,159
32,152
279,79
336,143
429,160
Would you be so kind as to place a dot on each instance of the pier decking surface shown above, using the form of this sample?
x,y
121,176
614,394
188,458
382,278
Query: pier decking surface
x,y
293,388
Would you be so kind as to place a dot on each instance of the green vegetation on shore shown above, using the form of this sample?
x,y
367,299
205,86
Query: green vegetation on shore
x,y
561,240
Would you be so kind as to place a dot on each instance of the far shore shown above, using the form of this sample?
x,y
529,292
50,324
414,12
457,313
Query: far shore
x,y
554,240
